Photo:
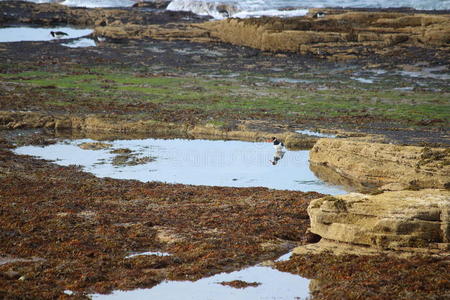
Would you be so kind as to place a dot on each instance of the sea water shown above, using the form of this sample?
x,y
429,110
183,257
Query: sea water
x,y
248,8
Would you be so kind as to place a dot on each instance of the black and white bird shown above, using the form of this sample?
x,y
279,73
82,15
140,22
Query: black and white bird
x,y
58,34
277,144
319,14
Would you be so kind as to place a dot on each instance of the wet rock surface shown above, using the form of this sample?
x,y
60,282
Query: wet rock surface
x,y
21,12
341,35
94,145
179,56
239,284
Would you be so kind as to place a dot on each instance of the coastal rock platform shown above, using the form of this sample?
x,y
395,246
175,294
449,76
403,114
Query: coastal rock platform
x,y
377,164
407,211
408,221
340,34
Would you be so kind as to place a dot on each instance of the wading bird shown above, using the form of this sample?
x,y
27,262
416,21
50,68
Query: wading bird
x,y
58,34
277,144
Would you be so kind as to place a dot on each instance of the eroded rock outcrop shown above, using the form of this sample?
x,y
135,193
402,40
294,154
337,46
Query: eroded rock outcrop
x,y
341,34
401,220
380,164
412,214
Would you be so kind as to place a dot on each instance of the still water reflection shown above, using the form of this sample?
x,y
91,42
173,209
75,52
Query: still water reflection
x,y
198,162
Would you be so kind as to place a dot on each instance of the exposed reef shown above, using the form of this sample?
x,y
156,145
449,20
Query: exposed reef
x,y
14,12
408,214
341,34
172,74
120,125
379,164
412,221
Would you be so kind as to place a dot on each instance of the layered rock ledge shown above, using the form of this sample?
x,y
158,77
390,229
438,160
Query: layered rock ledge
x,y
341,34
408,215
376,164
411,221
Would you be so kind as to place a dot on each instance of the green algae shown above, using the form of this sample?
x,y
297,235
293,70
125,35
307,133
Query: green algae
x,y
244,95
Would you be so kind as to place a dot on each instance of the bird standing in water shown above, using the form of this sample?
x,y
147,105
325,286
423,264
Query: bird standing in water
x,y
58,34
277,144
319,14
279,153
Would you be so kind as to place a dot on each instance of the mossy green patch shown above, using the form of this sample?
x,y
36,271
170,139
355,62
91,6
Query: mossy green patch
x,y
242,94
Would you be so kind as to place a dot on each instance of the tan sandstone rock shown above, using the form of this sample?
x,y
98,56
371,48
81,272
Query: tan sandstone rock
x,y
341,34
400,220
380,164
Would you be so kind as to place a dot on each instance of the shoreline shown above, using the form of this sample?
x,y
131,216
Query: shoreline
x,y
156,73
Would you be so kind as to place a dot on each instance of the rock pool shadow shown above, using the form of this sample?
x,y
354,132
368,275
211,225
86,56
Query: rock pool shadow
x,y
330,176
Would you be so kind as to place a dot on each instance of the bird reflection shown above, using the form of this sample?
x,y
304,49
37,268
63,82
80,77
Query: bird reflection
x,y
277,156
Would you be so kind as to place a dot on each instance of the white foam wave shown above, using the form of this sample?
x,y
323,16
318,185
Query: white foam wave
x,y
257,8
242,9
272,13
224,8
98,3
217,10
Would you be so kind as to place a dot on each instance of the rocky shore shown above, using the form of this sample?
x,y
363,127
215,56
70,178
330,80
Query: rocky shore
x,y
174,74
392,167
340,34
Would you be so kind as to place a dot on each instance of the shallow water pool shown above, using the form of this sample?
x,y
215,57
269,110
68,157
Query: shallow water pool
x,y
272,284
25,33
197,162
316,133
200,162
